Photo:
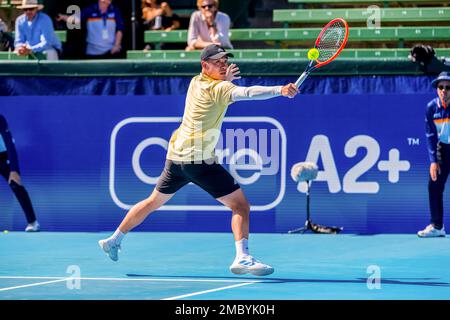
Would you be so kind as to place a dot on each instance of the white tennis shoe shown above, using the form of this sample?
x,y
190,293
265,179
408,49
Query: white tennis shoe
x,y
248,264
111,251
431,232
33,227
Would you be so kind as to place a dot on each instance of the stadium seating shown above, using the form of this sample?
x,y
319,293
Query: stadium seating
x,y
10,56
386,3
304,36
9,3
394,15
177,55
61,34
417,29
183,7
310,34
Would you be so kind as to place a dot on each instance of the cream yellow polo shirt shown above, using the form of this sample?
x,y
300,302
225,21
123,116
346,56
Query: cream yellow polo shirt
x,y
207,102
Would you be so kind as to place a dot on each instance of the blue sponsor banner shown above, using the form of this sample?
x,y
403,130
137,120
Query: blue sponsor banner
x,y
86,160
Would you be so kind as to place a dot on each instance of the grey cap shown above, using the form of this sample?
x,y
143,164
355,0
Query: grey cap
x,y
213,51
444,75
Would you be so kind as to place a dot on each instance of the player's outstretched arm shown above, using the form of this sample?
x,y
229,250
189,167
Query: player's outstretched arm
x,y
263,93
258,92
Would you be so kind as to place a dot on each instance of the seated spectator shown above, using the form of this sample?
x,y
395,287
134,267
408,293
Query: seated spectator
x,y
104,25
34,34
208,26
159,16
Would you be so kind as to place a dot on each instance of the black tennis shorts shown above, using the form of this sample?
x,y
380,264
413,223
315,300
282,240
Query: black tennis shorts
x,y
211,177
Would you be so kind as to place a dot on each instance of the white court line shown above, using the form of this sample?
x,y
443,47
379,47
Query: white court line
x,y
212,290
127,279
34,284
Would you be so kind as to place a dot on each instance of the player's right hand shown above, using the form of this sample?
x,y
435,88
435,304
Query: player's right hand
x,y
290,90
434,171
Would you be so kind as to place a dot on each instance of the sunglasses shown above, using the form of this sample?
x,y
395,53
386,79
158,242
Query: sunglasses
x,y
29,9
441,87
209,6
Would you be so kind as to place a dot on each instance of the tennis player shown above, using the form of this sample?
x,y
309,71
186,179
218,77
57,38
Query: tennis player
x,y
191,157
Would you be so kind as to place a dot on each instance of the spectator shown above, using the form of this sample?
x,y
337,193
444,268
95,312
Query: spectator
x,y
9,169
34,34
159,16
105,27
6,41
208,26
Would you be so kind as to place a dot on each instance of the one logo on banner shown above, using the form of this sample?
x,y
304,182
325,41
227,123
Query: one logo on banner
x,y
252,149
320,150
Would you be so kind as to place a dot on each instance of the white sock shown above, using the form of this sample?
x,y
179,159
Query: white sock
x,y
241,247
117,237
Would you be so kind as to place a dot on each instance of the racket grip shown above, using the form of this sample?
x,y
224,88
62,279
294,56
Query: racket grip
x,y
302,78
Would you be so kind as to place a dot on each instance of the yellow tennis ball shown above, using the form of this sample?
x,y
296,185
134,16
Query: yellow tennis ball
x,y
313,54
5,231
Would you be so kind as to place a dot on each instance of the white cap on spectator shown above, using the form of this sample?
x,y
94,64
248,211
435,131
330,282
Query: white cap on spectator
x,y
30,4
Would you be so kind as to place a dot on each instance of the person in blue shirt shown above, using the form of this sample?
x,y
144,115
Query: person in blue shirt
x,y
34,33
437,120
9,169
104,27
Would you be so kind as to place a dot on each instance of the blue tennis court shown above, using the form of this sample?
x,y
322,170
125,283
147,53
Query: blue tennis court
x,y
194,266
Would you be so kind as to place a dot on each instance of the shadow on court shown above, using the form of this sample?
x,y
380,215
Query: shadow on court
x,y
398,281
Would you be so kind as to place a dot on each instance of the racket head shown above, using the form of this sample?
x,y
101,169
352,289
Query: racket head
x,y
331,41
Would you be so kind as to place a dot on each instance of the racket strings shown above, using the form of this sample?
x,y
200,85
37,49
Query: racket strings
x,y
331,40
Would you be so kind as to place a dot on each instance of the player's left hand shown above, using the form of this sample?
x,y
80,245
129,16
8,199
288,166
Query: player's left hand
x,y
14,176
232,73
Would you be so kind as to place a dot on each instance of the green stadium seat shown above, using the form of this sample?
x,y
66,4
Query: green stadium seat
x,y
178,55
184,12
10,56
365,2
9,3
61,34
310,34
396,15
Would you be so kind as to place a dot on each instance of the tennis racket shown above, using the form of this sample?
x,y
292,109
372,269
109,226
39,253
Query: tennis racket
x,y
330,42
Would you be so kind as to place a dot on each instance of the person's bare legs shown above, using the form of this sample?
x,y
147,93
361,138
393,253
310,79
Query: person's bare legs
x,y
134,217
240,222
240,219
140,211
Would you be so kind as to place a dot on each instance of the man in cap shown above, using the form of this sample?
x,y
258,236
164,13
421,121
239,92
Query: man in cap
x,y
191,155
437,121
34,34
104,27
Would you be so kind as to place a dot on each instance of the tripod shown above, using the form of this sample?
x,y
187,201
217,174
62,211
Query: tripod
x,y
308,223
